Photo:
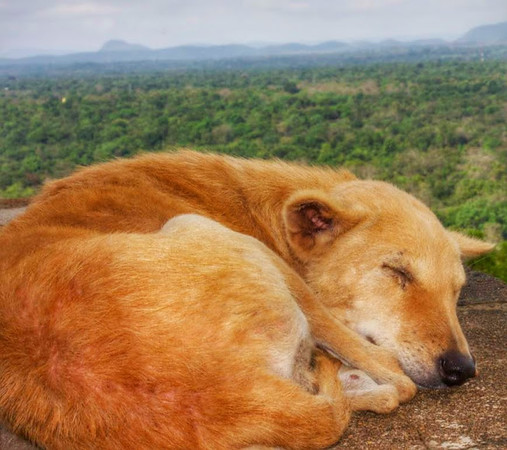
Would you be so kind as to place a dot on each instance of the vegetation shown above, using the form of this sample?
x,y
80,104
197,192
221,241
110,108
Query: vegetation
x,y
434,128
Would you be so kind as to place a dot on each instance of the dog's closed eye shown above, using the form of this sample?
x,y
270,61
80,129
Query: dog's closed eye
x,y
402,274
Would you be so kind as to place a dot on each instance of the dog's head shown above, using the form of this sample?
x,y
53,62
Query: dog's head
x,y
381,260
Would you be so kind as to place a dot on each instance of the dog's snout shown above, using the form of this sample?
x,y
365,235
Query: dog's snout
x,y
455,368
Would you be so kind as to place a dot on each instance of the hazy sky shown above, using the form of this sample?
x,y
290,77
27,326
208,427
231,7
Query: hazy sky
x,y
84,25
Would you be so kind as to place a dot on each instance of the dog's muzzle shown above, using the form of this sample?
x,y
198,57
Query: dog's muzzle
x,y
455,368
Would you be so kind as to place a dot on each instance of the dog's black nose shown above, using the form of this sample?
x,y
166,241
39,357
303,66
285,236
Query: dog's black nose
x,y
455,368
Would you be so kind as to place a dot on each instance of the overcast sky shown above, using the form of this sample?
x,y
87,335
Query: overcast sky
x,y
84,25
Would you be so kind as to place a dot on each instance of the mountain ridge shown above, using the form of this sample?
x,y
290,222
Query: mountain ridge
x,y
486,34
117,50
118,45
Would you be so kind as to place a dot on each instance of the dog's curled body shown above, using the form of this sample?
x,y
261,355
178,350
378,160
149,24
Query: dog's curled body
x,y
102,315
187,338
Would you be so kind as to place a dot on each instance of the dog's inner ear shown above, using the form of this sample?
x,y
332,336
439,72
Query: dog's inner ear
x,y
310,224
313,218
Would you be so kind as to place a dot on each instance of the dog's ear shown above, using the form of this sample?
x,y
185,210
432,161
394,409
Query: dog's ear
x,y
313,220
470,247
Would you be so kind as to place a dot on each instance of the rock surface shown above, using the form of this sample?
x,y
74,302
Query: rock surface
x,y
473,416
9,214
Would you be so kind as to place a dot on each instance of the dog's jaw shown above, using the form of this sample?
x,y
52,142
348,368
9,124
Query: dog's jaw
x,y
426,378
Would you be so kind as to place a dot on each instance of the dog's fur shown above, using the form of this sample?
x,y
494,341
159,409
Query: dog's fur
x,y
190,338
88,299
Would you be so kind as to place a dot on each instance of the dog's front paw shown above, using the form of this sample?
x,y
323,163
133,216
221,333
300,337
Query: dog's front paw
x,y
406,388
385,399
389,371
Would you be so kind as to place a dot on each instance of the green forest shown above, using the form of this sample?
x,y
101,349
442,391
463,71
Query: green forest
x,y
435,128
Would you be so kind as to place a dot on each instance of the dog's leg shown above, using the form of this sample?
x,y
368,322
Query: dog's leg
x,y
287,416
346,344
356,351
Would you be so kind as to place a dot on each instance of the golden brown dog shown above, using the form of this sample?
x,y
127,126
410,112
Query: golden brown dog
x,y
190,338
386,276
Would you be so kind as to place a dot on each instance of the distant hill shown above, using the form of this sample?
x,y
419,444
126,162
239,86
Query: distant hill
x,y
121,46
486,34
